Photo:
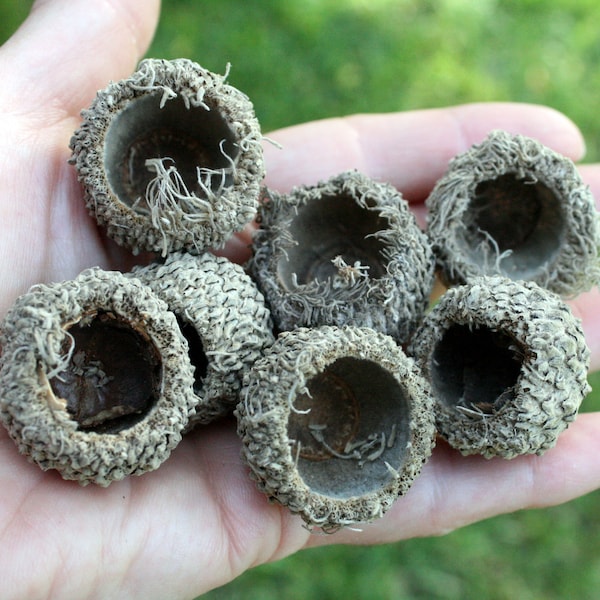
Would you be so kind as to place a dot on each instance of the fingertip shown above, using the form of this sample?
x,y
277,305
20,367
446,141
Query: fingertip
x,y
544,123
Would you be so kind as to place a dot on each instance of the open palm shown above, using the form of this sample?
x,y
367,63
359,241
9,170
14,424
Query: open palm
x,y
198,521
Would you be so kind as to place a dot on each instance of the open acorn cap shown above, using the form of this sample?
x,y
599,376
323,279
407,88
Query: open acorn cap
x,y
346,251
508,365
95,377
170,158
222,315
511,206
336,423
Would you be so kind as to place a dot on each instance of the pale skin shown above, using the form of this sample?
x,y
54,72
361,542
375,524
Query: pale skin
x,y
198,522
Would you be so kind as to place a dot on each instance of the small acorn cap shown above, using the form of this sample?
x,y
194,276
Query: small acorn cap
x,y
344,251
222,315
95,377
336,423
511,206
508,363
170,158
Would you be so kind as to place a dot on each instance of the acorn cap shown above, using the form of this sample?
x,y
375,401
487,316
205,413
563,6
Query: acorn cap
x,y
508,364
95,377
170,158
344,251
222,315
336,423
512,207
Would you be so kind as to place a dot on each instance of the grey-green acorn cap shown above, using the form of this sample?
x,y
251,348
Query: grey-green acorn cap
x,y
344,251
95,377
222,315
336,423
508,364
170,158
510,206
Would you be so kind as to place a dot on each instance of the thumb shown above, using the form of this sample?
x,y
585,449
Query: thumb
x,y
68,49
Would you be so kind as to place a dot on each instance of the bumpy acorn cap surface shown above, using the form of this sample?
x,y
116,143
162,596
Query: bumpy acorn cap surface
x,y
170,158
511,206
344,251
508,364
95,377
222,315
336,423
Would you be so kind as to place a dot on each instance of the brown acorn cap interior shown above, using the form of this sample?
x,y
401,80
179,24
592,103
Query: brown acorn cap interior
x,y
196,353
523,217
475,368
113,377
354,421
329,227
192,137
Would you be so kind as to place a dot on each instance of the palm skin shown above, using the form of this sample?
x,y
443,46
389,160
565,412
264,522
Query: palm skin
x,y
197,522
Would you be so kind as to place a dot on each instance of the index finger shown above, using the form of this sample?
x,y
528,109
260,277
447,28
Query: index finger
x,y
411,149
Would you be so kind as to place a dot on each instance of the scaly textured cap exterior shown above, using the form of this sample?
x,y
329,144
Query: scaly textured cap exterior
x,y
52,342
508,364
336,423
170,158
344,251
224,317
510,206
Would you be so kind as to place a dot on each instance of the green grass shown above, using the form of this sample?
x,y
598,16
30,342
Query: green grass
x,y
318,58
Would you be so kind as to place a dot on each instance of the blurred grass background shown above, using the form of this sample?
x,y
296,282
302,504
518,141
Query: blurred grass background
x,y
318,58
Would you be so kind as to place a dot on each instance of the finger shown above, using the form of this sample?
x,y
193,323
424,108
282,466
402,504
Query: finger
x,y
411,150
68,49
591,176
587,306
454,491
190,526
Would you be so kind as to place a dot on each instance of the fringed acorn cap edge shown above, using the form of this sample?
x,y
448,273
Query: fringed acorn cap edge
x,y
197,223
544,337
392,302
572,264
267,402
33,342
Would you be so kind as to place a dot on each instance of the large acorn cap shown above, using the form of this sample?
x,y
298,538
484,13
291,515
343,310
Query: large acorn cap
x,y
170,158
222,315
336,423
508,364
511,206
344,251
95,377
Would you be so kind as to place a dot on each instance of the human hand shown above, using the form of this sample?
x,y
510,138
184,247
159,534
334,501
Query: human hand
x,y
198,521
